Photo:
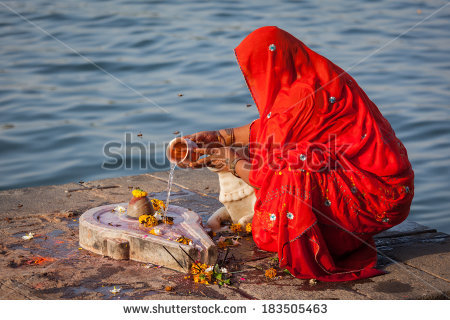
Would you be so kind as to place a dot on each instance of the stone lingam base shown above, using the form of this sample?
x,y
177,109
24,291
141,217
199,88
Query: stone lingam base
x,y
109,233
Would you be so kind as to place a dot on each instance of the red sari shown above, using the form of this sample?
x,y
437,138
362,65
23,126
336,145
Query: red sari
x,y
328,170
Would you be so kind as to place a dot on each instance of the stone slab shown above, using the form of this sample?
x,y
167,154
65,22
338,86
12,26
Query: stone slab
x,y
405,228
431,257
118,236
403,282
296,289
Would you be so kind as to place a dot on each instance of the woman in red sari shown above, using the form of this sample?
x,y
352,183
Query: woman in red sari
x,y
327,168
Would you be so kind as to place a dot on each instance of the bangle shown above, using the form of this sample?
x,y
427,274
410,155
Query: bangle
x,y
230,135
233,166
229,138
220,138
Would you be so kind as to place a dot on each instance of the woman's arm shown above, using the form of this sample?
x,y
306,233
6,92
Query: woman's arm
x,y
242,169
235,136
223,159
221,138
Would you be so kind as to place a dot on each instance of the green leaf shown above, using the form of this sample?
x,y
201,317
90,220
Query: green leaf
x,y
274,259
287,272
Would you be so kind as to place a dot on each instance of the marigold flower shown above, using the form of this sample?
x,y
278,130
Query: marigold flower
x,y
143,218
155,232
148,220
138,193
236,227
167,220
184,240
204,274
198,268
248,227
158,205
271,273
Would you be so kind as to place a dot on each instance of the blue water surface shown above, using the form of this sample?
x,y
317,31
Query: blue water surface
x,y
76,75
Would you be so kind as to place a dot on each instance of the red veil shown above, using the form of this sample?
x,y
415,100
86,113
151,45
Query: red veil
x,y
328,170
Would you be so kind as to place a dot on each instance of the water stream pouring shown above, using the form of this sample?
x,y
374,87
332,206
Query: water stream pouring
x,y
179,151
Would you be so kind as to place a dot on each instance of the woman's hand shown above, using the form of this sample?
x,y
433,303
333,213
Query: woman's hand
x,y
218,158
205,139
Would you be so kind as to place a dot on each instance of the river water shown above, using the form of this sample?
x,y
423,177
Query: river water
x,y
79,76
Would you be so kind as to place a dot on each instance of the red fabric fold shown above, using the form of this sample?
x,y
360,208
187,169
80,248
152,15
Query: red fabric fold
x,y
329,171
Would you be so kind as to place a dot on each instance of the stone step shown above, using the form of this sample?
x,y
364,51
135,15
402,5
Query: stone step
x,y
406,228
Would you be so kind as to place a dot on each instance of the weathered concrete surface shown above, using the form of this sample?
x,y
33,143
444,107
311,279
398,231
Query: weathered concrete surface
x,y
415,257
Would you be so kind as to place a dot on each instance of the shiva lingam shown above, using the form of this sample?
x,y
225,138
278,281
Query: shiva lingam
x,y
139,205
147,231
174,240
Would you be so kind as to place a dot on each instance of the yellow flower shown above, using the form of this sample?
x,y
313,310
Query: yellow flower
x,y
143,218
198,268
148,220
271,273
156,232
248,227
167,220
138,193
115,290
184,240
158,204
204,274
236,227
202,278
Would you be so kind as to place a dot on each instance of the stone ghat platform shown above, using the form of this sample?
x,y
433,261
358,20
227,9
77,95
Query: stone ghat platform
x,y
52,265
